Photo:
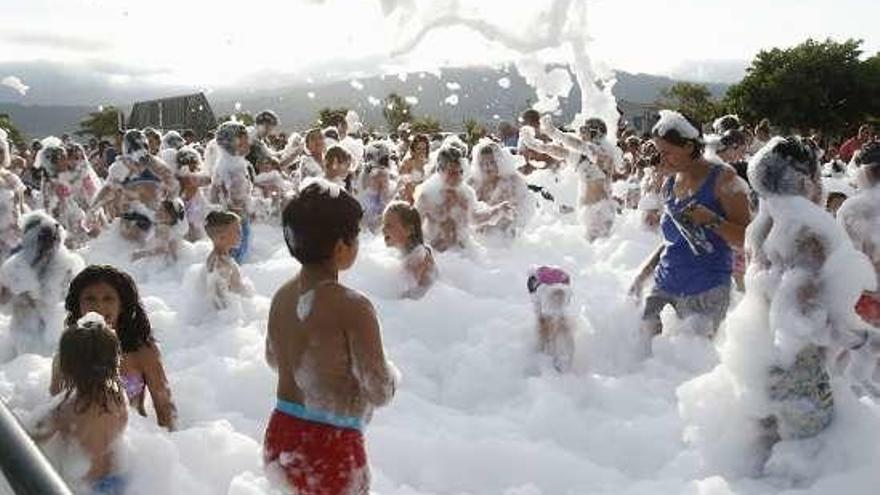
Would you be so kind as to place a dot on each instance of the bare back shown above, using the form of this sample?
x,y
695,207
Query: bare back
x,y
325,343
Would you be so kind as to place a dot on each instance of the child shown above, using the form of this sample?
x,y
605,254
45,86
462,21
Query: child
x,y
231,180
402,229
550,290
192,179
113,294
376,189
450,206
337,164
496,181
222,272
93,413
170,228
325,342
33,281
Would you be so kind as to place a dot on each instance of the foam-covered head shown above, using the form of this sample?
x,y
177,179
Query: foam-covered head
x,y
51,155
228,135
451,165
594,129
172,140
377,154
785,166
188,158
678,130
266,118
135,146
317,219
41,237
868,160
490,158
726,123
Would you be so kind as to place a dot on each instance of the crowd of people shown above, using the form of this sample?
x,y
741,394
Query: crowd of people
x,y
735,209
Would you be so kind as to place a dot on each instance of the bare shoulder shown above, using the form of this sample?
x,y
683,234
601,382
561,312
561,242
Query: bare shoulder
x,y
352,303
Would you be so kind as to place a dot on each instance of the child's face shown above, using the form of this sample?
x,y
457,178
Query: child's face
x,y
346,254
337,168
394,232
103,299
228,238
452,175
488,165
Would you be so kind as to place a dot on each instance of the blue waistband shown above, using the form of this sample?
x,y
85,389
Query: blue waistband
x,y
113,484
323,417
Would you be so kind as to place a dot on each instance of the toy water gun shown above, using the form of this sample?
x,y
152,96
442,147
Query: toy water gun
x,y
694,235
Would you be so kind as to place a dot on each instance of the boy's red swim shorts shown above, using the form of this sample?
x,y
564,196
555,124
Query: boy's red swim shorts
x,y
317,459
868,308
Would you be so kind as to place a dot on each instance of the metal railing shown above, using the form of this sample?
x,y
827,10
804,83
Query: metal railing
x,y
25,468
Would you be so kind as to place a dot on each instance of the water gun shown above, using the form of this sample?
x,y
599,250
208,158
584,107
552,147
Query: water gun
x,y
694,235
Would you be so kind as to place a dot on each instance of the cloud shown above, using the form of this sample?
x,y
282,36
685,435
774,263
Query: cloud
x,y
16,84
706,71
113,68
54,41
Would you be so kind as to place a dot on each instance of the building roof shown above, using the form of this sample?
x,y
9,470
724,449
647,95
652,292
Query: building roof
x,y
178,112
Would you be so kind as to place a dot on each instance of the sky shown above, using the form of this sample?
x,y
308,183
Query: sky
x,y
218,43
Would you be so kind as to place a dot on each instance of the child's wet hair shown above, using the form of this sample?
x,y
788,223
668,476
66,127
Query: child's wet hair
x,y
411,220
315,220
88,358
337,154
217,220
133,327
448,155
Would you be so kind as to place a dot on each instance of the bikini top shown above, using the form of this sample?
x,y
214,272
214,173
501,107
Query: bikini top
x,y
134,385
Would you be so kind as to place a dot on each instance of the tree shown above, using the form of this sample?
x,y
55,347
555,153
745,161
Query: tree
x,y
691,99
426,125
814,85
331,116
15,136
104,122
396,111
474,131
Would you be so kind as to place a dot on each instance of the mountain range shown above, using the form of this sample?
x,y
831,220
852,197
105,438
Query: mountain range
x,y
450,96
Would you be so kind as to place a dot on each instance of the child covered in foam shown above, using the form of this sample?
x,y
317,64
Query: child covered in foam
x,y
402,230
550,291
222,274
231,182
376,188
169,229
496,181
325,342
450,207
33,281
87,423
193,179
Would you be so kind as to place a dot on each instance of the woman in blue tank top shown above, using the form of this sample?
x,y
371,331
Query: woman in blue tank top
x,y
705,215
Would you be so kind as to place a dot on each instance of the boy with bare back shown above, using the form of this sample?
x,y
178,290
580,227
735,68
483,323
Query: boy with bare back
x,y
325,343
